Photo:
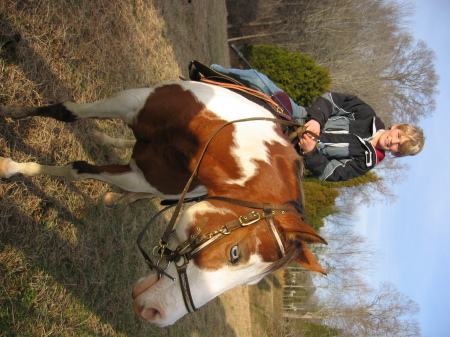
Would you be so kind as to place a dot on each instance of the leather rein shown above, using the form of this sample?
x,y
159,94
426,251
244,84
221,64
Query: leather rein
x,y
197,243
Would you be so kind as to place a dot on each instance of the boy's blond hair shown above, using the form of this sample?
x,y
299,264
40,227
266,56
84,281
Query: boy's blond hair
x,y
415,142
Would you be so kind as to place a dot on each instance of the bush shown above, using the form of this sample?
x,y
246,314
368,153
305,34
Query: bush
x,y
297,74
319,203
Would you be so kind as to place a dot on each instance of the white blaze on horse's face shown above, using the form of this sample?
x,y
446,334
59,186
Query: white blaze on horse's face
x,y
161,301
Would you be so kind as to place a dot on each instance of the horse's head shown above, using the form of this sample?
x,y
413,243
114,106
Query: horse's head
x,y
237,246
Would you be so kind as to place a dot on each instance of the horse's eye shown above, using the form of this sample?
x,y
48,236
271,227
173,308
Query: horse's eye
x,y
234,254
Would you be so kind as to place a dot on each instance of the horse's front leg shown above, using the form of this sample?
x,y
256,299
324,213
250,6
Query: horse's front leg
x,y
124,105
128,177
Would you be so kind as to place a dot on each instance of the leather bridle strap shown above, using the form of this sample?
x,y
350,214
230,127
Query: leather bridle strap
x,y
208,239
147,258
185,288
276,235
269,211
252,204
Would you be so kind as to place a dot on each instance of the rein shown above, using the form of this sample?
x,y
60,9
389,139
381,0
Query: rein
x,y
196,243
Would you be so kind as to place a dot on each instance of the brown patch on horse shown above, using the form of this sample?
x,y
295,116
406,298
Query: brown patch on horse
x,y
276,181
164,145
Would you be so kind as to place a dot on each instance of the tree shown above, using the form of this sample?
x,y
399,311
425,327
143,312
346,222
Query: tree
x,y
385,312
365,44
357,310
342,299
369,52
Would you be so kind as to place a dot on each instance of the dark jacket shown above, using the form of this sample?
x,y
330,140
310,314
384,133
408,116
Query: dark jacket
x,y
347,125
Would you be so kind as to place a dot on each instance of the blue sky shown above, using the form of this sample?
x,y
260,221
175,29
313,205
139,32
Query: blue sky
x,y
413,234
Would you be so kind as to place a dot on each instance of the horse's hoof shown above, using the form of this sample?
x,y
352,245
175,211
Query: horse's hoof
x,y
4,163
98,137
110,199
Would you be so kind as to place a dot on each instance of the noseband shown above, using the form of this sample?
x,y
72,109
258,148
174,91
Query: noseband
x,y
197,243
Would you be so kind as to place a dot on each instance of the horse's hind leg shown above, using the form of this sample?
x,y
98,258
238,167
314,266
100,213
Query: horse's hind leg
x,y
124,105
119,143
112,199
127,177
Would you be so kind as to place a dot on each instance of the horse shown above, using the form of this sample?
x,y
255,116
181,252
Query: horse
x,y
248,220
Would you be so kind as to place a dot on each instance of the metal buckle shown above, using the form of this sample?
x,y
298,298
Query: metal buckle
x,y
249,218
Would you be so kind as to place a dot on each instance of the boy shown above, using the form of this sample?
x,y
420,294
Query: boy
x,y
352,138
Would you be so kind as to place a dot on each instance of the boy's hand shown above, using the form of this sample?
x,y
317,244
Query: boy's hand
x,y
313,126
307,143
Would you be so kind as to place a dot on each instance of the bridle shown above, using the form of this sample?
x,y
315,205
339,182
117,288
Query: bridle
x,y
196,243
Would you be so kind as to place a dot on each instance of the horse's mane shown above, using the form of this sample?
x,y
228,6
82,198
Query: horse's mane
x,y
300,171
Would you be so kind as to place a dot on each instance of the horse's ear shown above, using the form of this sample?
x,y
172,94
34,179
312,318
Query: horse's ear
x,y
307,260
298,230
309,237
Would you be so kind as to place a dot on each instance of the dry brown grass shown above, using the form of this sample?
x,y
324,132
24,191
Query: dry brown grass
x,y
67,263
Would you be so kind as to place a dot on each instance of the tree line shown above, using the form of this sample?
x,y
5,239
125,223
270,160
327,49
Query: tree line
x,y
365,44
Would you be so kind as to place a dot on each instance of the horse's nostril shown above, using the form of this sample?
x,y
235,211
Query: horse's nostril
x,y
150,314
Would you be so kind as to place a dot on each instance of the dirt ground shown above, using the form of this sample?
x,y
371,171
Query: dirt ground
x,y
237,306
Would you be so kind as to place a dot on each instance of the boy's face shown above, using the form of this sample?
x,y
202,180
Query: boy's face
x,y
390,140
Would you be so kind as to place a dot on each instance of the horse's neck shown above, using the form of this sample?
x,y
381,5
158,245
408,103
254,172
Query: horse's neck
x,y
275,180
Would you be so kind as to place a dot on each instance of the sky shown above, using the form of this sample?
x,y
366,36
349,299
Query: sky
x,y
413,233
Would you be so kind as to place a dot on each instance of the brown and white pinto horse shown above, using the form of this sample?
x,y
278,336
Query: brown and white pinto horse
x,y
251,161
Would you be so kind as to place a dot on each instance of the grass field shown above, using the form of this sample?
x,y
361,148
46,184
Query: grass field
x,y
67,262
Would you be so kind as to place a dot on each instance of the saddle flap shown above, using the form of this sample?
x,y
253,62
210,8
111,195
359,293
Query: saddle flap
x,y
198,70
283,99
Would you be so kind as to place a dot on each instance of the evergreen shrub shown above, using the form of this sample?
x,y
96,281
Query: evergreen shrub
x,y
295,73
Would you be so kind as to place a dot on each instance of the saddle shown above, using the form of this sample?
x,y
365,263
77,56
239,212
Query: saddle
x,y
280,106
